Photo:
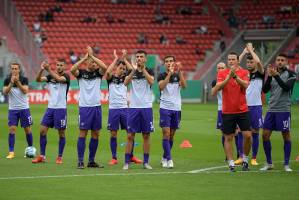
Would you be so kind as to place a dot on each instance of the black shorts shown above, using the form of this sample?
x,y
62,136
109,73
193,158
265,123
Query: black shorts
x,y
230,122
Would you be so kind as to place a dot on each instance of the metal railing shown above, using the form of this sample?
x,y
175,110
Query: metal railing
x,y
34,55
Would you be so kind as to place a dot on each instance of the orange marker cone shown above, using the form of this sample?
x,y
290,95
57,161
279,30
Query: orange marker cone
x,y
297,159
186,144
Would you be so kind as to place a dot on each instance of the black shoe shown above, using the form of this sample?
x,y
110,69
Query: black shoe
x,y
245,166
93,164
80,165
232,168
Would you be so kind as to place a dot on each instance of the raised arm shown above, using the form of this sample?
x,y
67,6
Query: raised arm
x,y
124,56
244,52
39,77
255,57
221,83
101,64
75,67
150,79
243,83
8,84
24,88
129,78
112,65
163,83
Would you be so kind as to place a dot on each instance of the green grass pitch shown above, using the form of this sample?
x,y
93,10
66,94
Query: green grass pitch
x,y
19,179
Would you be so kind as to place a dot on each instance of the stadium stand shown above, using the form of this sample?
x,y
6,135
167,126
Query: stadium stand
x,y
67,32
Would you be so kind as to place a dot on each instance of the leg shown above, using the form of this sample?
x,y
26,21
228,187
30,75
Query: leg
x,y
166,143
146,149
11,138
287,147
26,122
43,143
228,148
247,144
13,120
81,145
113,144
43,140
93,144
171,139
129,146
28,133
267,144
255,142
61,144
239,145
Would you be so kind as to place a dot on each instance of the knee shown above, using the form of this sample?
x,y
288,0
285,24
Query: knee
x,y
130,138
266,137
82,133
114,134
286,136
95,135
61,133
146,136
12,130
27,130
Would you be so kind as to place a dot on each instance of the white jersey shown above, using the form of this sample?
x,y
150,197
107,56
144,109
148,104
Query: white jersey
x,y
219,100
17,100
254,90
90,88
58,92
141,95
170,98
117,92
219,96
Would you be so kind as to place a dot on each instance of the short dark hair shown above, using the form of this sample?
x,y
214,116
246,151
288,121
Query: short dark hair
x,y
282,55
61,60
141,52
234,53
15,63
169,56
120,62
249,56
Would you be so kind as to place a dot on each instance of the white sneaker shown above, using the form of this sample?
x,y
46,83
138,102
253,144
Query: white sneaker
x,y
164,162
267,167
126,166
287,168
170,164
147,166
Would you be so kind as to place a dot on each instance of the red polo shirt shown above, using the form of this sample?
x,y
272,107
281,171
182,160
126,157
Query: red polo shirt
x,y
233,95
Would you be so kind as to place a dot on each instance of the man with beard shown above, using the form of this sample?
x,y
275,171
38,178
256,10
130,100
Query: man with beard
x,y
280,83
56,114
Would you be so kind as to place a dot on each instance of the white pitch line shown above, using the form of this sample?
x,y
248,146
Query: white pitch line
x,y
88,175
207,170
